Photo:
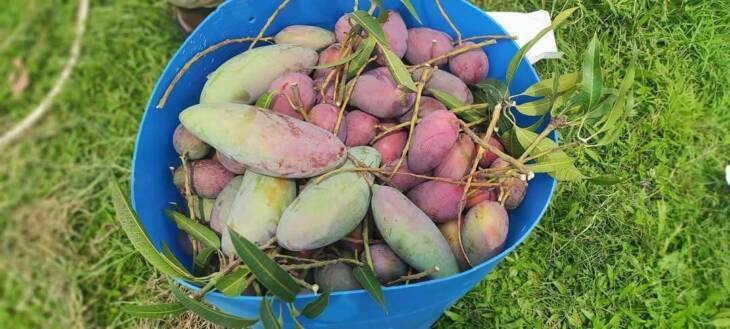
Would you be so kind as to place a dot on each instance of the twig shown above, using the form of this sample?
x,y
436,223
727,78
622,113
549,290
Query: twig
x,y
305,284
550,127
416,276
470,107
321,264
448,20
295,258
496,151
389,130
268,244
214,280
268,23
366,243
500,36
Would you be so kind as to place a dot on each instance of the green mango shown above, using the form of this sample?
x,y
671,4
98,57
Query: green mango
x,y
326,211
264,141
247,76
410,233
312,37
223,203
256,210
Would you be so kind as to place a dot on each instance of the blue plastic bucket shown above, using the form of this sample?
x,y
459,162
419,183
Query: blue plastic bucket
x,y
412,306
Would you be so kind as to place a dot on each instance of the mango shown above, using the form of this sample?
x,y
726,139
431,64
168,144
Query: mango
x,y
471,66
401,180
207,177
336,277
410,233
438,199
448,83
490,156
425,43
432,139
377,93
247,76
458,161
307,36
257,208
185,143
387,265
265,142
484,231
326,211
513,187
230,164
361,128
450,231
428,105
222,207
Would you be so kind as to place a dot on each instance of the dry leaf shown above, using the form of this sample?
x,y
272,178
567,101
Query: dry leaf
x,y
20,79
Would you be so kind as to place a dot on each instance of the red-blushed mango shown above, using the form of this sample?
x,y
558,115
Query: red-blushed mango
x,y
477,195
376,93
245,77
228,163
438,199
490,156
459,159
396,33
264,141
325,116
450,231
512,188
342,28
484,231
428,106
432,139
222,207
471,66
292,88
257,208
324,96
448,83
387,265
326,211
391,145
425,43
402,180
329,55
361,128
336,277
410,233
185,143
207,177
307,36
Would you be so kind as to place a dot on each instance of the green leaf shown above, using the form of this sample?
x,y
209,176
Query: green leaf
x,y
515,61
363,56
591,84
535,108
452,103
265,100
605,180
202,259
136,234
267,272
234,283
198,231
411,9
490,91
556,163
371,25
537,124
398,70
511,143
544,88
153,311
208,313
613,117
266,314
294,314
339,61
168,254
367,280
315,308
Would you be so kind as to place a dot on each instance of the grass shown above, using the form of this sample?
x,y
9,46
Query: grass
x,y
652,251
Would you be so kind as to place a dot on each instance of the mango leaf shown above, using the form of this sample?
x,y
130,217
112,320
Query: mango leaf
x,y
601,110
452,103
202,259
490,91
556,163
266,314
315,308
544,88
234,283
535,108
339,61
267,272
136,234
153,311
367,280
168,254
515,61
605,180
208,313
265,100
619,106
537,124
411,9
294,314
198,231
363,56
371,25
590,85
510,142
398,70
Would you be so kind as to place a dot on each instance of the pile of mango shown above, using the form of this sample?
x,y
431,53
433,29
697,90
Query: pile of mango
x,y
282,172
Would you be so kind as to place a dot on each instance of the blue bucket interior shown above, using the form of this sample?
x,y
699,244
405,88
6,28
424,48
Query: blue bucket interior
x,y
412,306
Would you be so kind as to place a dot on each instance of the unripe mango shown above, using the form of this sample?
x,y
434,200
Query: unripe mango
x,y
387,265
255,212
245,77
327,211
312,37
410,233
265,142
484,231
185,143
450,230
336,277
223,203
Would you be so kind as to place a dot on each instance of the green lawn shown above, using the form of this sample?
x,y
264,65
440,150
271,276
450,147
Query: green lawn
x,y
652,251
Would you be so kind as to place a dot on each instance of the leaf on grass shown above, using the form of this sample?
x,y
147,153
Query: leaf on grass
x,y
234,283
605,180
591,84
267,272
266,314
153,311
611,120
398,70
136,234
315,308
198,231
338,62
371,25
535,108
490,91
202,259
366,278
515,61
265,100
411,9
556,163
363,56
544,88
209,313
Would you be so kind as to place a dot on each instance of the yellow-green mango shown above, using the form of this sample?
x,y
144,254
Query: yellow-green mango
x,y
312,37
247,76
223,204
265,142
